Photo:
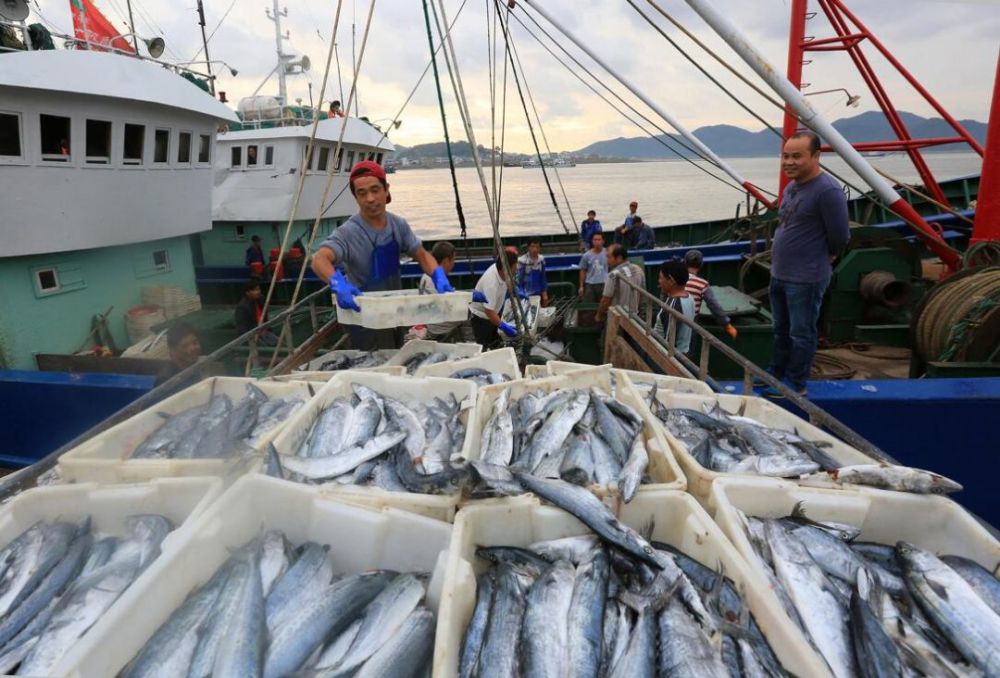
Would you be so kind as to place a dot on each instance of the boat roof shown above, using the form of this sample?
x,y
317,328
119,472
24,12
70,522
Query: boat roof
x,y
105,74
358,132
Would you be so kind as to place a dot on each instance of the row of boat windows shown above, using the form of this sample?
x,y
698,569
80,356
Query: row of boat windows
x,y
249,157
56,142
68,276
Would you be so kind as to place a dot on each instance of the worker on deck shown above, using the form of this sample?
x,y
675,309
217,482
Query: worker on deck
x,y
249,314
444,254
487,307
362,255
335,110
672,279
531,271
593,270
643,237
588,227
700,290
254,253
616,290
623,231
184,348
812,230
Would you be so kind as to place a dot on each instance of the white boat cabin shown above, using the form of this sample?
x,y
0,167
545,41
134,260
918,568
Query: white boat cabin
x,y
98,150
257,171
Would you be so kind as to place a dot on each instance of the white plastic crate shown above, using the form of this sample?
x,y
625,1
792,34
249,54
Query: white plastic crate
x,y
314,364
405,389
106,457
532,371
360,539
663,470
662,381
930,522
180,500
323,377
501,361
405,308
700,478
677,520
415,346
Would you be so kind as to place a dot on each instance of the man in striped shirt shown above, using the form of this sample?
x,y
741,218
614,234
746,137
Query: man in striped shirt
x,y
699,290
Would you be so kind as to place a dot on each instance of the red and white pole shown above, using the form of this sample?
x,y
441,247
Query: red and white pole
x,y
987,223
796,36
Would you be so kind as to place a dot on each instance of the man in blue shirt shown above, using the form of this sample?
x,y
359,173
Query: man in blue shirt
x,y
588,227
622,233
531,271
254,253
643,237
812,230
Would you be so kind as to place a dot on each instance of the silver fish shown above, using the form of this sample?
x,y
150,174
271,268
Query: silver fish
x,y
900,478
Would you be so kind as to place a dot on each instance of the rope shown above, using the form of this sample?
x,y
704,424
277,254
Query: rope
x,y
982,253
915,191
456,79
531,128
541,129
661,140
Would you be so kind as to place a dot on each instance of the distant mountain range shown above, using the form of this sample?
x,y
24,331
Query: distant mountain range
x,y
731,141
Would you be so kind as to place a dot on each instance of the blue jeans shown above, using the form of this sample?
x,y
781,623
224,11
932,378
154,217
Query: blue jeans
x,y
795,312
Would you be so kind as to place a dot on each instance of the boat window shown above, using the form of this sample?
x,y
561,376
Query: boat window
x,y
236,156
308,158
55,134
47,280
371,156
133,144
204,148
378,158
340,159
98,142
161,146
350,160
269,156
10,135
251,156
240,232
161,260
324,158
184,148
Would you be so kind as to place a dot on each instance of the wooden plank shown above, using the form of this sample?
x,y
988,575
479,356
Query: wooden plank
x,y
616,348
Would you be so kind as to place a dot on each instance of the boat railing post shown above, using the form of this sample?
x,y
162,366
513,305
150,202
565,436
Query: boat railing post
x,y
706,349
313,315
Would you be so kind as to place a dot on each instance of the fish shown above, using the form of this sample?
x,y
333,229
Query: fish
x,y
497,657
875,652
407,653
544,641
321,468
899,478
585,618
476,630
633,470
982,581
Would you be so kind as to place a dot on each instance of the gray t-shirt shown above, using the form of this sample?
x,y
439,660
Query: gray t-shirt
x,y
354,241
596,266
622,294
812,227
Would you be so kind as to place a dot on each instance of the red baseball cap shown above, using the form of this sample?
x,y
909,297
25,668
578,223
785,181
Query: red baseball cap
x,y
633,203
368,168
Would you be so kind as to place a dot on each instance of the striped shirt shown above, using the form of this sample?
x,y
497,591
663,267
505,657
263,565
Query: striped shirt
x,y
696,288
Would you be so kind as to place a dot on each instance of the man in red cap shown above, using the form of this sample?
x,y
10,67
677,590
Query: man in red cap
x,y
622,232
362,254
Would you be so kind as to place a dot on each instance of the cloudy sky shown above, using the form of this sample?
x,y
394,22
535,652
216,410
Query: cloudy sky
x,y
950,46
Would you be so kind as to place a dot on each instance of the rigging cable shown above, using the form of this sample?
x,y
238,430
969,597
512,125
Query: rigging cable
x,y
444,125
527,116
452,61
541,129
214,30
663,140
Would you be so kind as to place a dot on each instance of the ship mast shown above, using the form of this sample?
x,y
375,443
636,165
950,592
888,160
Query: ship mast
x,y
275,16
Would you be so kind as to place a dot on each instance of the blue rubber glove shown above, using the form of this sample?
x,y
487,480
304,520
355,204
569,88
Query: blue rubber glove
x,y
344,291
440,279
478,297
507,329
519,291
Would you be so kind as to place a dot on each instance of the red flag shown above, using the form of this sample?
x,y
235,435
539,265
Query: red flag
x,y
92,26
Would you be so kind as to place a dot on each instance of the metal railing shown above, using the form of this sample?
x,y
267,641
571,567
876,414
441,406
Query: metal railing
x,y
751,372
26,477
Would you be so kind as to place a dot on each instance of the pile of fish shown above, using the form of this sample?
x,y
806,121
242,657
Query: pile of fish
x,y
732,443
479,376
371,439
582,436
607,604
218,428
272,610
876,610
348,362
529,312
58,578
424,358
